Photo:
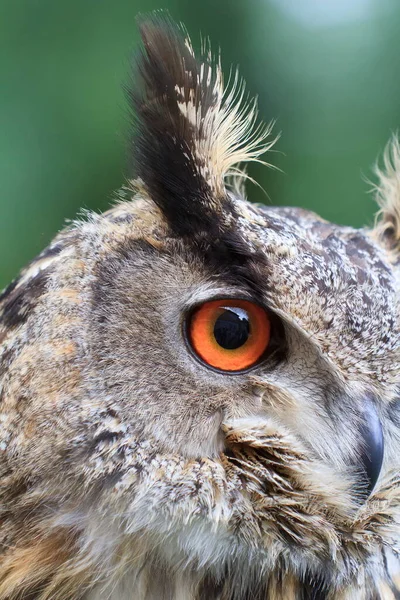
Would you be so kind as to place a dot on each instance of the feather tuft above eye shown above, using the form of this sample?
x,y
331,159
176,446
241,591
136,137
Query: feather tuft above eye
x,y
387,195
191,132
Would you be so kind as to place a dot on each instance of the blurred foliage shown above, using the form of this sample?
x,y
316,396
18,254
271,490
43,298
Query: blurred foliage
x,y
326,70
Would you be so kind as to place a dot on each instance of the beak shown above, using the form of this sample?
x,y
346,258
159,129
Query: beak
x,y
371,454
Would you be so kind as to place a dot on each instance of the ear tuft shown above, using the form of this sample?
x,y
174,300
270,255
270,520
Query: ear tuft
x,y
190,132
387,194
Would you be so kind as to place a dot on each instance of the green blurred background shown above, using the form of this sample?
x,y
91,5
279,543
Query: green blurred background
x,y
327,70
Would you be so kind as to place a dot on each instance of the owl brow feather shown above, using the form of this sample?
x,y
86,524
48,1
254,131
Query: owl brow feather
x,y
191,132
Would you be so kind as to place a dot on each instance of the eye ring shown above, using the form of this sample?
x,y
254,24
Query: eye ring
x,y
228,335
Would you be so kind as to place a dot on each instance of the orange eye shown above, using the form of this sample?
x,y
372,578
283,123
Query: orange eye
x,y
230,335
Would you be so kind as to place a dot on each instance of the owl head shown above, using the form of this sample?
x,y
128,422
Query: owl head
x,y
199,396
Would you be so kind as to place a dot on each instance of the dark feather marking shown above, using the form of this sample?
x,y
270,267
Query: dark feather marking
x,y
20,301
313,588
210,589
213,589
6,359
230,257
107,437
9,289
50,251
163,151
46,253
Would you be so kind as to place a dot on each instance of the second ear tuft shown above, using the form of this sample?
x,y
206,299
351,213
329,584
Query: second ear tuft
x,y
387,194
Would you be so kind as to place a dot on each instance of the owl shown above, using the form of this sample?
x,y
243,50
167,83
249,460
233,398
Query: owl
x,y
200,396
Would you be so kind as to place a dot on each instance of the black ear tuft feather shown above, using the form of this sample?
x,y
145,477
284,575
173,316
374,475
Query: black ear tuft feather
x,y
189,134
164,149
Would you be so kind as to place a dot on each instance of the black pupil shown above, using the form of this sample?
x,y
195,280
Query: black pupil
x,y
232,328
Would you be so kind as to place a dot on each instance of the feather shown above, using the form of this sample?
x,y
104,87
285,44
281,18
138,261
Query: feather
x,y
191,131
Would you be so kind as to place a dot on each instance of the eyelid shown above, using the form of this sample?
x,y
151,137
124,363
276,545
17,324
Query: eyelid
x,y
208,294
199,299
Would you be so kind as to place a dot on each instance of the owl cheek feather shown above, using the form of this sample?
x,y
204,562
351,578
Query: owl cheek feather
x,y
371,455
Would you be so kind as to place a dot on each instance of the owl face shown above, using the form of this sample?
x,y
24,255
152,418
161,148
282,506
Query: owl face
x,y
194,382
308,281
